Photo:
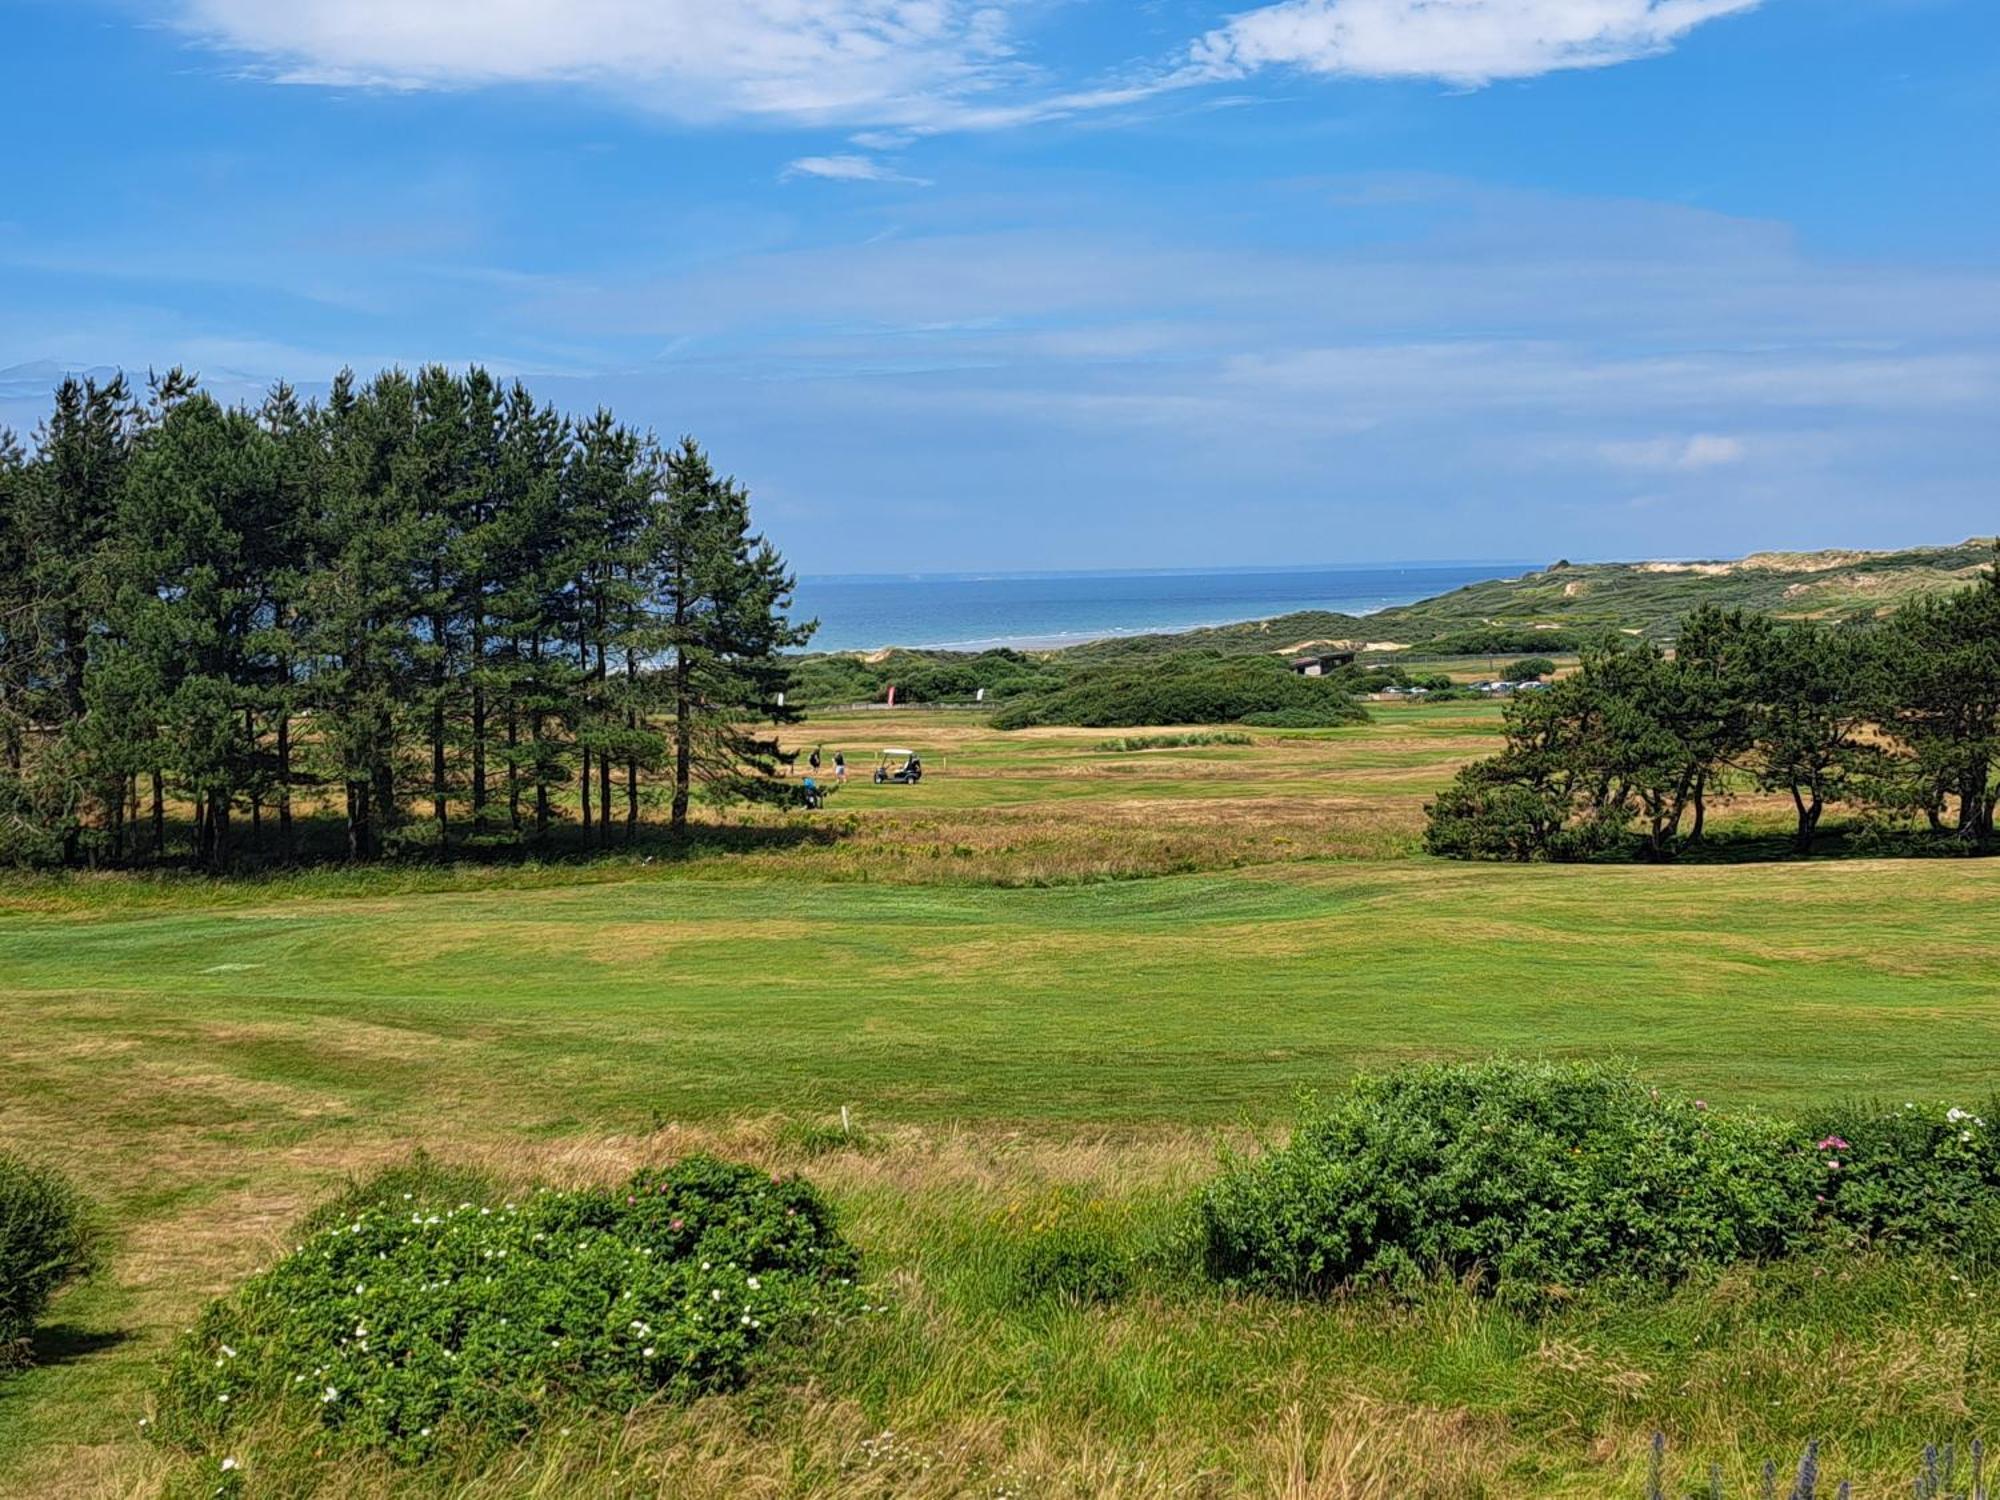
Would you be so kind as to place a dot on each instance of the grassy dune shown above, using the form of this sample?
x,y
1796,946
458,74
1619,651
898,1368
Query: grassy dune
x,y
1646,598
1020,1035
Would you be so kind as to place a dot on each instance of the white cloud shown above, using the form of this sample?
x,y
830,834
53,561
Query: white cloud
x,y
1462,41
849,168
899,68
878,62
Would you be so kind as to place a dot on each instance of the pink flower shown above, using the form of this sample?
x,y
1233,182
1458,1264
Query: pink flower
x,y
1701,1104
674,1224
1833,1143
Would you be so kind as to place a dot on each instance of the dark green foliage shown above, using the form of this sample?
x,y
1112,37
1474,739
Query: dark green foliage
x,y
1538,1176
1941,701
1903,718
1528,669
1506,812
1193,687
1915,1176
921,677
1554,1175
1501,640
722,621
1125,744
409,1321
1330,715
1075,1259
426,590
45,1242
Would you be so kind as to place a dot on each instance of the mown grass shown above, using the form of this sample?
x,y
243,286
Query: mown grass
x,y
1009,1026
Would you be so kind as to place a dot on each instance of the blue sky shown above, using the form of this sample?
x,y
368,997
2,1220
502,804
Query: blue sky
x,y
1068,283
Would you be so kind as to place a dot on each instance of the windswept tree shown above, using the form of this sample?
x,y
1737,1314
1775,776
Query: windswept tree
x,y
1940,699
1816,697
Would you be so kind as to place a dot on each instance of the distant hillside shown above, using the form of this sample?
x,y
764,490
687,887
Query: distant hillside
x,y
1569,600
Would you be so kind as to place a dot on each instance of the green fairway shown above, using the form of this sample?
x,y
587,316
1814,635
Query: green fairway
x,y
1189,999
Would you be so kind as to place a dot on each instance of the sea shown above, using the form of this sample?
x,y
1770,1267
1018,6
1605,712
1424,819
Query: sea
x,y
1038,611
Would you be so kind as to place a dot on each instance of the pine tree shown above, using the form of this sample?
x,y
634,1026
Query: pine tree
x,y
723,594
362,604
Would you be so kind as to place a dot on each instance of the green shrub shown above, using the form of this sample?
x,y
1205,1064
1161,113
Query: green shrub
x,y
1071,1260
1918,1176
811,1138
45,1242
1186,687
1327,716
1187,741
1499,640
1529,669
409,1320
1535,1175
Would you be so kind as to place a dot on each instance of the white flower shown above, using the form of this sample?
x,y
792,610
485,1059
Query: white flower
x,y
1955,1115
754,1283
330,1394
716,1295
647,1351
228,1464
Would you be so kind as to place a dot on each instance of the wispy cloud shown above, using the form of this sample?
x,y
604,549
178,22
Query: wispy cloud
x,y
1460,41
896,69
849,168
864,62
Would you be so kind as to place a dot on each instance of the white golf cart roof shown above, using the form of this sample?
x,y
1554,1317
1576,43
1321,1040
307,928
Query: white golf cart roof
x,y
904,753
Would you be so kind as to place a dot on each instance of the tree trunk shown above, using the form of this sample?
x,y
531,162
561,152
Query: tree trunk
x,y
382,812
683,741
537,723
285,785
1809,816
632,760
439,812
513,769
478,733
218,844
159,815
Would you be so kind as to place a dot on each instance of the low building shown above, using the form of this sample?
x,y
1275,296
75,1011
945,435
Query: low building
x,y
1321,663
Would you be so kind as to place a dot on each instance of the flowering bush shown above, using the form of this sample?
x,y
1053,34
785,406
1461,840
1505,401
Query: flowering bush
x,y
1539,1175
406,1318
1923,1176
45,1241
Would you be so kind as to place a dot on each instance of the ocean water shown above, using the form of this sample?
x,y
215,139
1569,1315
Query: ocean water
x,y
967,612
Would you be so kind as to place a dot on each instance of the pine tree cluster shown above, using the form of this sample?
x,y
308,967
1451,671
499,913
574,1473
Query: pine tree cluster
x,y
427,606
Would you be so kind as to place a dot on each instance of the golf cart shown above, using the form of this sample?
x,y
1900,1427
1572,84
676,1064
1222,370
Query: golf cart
x,y
898,768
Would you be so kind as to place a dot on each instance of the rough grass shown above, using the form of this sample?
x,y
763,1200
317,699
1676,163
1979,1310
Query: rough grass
x,y
1008,1027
